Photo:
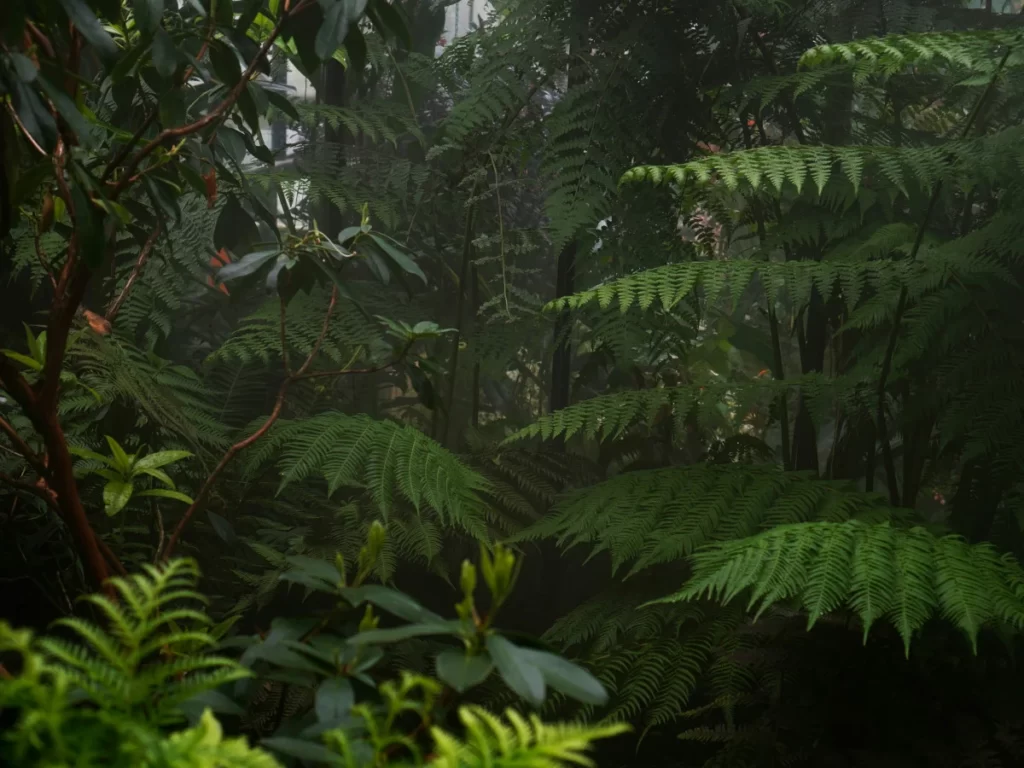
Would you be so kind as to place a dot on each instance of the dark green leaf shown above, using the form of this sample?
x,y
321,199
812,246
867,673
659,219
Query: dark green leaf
x,y
225,64
283,657
355,45
571,679
223,528
24,68
321,569
250,8
388,19
246,265
83,18
281,102
165,54
333,30
334,699
404,633
216,701
66,107
517,670
402,260
90,222
148,13
462,671
232,143
172,108
303,750
377,265
391,601
348,233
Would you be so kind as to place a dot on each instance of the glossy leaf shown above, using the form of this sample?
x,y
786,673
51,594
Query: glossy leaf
x,y
391,601
116,495
462,671
166,493
516,669
161,459
571,679
246,265
333,30
402,260
408,631
148,13
85,20
334,699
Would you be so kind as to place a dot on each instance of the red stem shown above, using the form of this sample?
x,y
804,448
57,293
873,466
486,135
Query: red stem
x,y
147,248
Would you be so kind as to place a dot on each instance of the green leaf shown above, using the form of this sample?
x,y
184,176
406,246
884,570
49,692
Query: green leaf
x,y
333,30
147,14
25,360
321,569
452,627
116,494
246,265
165,54
571,679
92,236
85,453
516,669
391,601
225,64
334,700
121,459
67,109
462,671
159,474
83,18
23,67
404,262
161,459
348,233
388,19
166,493
223,528
283,103
303,750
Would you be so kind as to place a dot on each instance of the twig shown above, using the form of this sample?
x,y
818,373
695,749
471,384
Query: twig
x,y
234,450
147,249
24,130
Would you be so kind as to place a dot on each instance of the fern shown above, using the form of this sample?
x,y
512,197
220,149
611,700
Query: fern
x,y
659,516
876,571
518,742
387,459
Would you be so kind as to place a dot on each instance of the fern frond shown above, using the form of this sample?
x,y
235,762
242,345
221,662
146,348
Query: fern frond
x,y
389,460
876,571
516,742
657,516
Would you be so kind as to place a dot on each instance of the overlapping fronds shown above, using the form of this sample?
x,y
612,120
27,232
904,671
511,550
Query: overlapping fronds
x,y
608,417
881,167
389,460
376,121
661,515
516,742
904,576
146,656
850,280
969,49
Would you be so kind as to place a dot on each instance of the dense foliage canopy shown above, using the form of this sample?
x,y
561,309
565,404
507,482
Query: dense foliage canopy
x,y
673,344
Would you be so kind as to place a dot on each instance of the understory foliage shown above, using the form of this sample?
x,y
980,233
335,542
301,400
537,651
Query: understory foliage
x,y
697,323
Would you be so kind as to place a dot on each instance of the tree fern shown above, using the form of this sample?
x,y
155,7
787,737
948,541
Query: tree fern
x,y
904,576
657,516
389,460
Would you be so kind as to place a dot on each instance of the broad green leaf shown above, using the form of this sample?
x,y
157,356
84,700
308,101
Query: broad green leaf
x,y
452,627
391,601
223,528
25,360
571,679
24,67
121,459
462,671
321,569
85,20
161,459
116,495
85,453
159,474
148,13
246,265
404,262
348,233
517,670
283,103
334,699
166,493
165,54
333,30
303,750
81,127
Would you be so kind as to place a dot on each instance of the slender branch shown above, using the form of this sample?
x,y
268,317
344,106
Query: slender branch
x,y
901,304
23,448
40,491
24,130
147,249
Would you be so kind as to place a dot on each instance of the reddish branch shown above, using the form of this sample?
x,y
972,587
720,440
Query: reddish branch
x,y
147,248
234,450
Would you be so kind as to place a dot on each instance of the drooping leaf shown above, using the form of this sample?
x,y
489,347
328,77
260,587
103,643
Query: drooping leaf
x,y
517,670
334,699
85,20
166,493
391,601
161,459
571,679
147,14
462,671
408,631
